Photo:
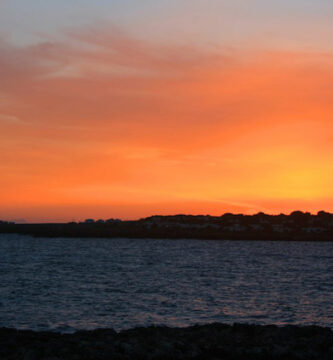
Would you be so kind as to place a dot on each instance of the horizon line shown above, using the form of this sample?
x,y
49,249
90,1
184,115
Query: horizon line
x,y
23,221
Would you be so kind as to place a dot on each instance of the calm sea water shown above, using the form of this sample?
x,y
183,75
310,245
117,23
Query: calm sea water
x,y
69,284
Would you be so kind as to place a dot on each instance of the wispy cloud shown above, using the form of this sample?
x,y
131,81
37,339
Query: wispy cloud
x,y
9,118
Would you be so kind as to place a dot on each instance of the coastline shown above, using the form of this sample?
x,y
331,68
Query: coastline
x,y
297,226
135,230
212,341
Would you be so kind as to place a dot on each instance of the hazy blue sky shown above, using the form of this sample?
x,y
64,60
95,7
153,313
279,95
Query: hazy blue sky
x,y
265,23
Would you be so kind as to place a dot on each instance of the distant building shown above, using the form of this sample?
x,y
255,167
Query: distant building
x,y
257,227
235,228
313,229
280,228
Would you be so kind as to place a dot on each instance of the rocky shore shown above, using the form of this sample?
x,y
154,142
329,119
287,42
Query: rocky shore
x,y
213,341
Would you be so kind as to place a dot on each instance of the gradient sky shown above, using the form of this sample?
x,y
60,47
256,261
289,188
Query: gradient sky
x,y
132,108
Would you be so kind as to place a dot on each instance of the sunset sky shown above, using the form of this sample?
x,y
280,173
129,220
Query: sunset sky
x,y
131,108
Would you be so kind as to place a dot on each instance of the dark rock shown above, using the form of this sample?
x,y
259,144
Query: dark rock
x,y
208,342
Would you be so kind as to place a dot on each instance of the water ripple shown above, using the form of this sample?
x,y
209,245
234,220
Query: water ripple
x,y
70,284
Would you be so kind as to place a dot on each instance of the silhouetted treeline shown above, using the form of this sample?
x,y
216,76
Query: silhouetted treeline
x,y
296,226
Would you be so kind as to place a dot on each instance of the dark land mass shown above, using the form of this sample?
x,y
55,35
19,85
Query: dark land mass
x,y
206,342
298,226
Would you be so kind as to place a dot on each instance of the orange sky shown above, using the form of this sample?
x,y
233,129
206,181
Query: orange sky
x,y
106,125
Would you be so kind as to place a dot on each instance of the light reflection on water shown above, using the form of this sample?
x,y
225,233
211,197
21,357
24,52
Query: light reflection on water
x,y
70,284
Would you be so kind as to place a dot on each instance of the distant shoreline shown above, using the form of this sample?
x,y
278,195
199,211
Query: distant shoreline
x,y
89,232
212,341
297,226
